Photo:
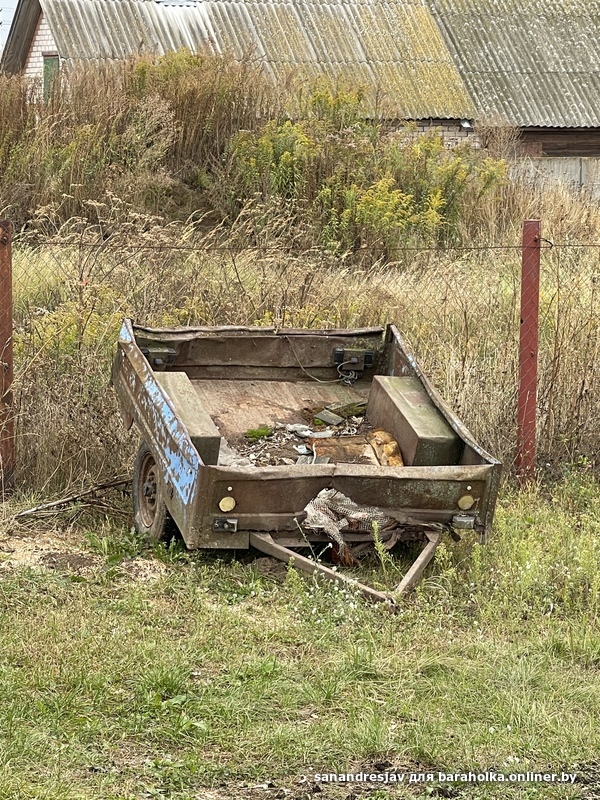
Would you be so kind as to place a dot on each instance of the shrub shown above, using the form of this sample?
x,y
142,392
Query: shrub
x,y
146,129
358,187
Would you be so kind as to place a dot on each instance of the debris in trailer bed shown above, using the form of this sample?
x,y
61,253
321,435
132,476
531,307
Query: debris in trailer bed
x,y
337,433
300,443
211,399
386,449
331,511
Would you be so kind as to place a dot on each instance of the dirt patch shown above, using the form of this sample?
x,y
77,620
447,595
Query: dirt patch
x,y
76,563
270,568
588,779
62,551
143,569
55,550
308,790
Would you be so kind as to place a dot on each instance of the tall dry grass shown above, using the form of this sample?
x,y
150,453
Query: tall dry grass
x,y
459,310
146,130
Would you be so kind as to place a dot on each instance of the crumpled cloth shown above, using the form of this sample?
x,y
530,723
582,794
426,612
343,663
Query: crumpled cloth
x,y
332,511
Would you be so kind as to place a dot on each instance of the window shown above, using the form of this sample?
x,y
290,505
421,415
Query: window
x,y
51,66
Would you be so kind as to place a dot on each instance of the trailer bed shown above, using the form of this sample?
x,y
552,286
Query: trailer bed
x,y
237,406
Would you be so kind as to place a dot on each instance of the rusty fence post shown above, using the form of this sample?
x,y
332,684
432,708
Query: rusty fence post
x,y
7,421
528,350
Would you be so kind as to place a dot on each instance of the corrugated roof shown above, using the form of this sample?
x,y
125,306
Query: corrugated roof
x,y
392,47
533,63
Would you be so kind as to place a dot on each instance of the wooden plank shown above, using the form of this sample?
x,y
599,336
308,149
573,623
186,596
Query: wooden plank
x,y
561,142
237,406
415,573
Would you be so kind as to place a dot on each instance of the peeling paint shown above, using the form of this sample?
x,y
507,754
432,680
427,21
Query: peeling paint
x,y
270,498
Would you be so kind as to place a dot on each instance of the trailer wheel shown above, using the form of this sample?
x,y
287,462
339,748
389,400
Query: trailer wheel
x,y
151,516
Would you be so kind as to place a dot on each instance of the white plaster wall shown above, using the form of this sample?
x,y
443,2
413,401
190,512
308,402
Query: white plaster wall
x,y
43,42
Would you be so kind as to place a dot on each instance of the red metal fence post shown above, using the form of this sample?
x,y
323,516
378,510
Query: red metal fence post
x,y
7,421
528,350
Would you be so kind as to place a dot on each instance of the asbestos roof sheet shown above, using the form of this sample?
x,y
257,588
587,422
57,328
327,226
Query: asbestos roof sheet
x,y
392,47
532,62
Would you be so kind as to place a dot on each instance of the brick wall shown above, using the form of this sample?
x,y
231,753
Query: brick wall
x,y
452,131
43,42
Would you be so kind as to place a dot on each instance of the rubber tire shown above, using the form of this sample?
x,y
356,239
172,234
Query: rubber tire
x,y
151,517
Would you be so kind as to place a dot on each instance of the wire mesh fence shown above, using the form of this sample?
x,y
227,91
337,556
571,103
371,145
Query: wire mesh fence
x,y
458,308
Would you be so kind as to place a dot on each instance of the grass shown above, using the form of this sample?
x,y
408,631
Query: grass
x,y
210,674
185,190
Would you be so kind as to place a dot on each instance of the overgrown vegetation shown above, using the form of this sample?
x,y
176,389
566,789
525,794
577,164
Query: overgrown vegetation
x,y
187,190
460,312
186,133
146,131
356,187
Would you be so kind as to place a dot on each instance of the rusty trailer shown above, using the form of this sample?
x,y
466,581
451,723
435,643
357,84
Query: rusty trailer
x,y
397,463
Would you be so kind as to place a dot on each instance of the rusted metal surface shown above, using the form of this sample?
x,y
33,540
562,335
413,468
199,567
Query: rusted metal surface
x,y
266,544
239,405
352,537
7,421
228,506
528,350
249,373
280,493
404,362
198,423
146,401
417,568
399,404
265,353
287,488
184,334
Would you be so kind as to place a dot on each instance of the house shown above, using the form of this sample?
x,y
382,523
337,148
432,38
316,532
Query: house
x,y
534,65
393,47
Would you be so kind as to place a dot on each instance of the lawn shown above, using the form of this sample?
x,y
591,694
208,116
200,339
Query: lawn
x,y
129,673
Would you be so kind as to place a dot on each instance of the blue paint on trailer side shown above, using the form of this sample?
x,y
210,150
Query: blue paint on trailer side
x,y
159,424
